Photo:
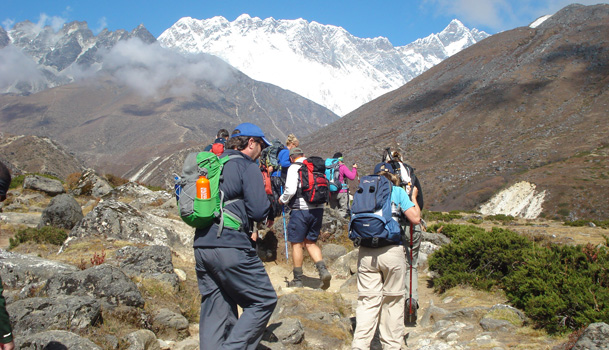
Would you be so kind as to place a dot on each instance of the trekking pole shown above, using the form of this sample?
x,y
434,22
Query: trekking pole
x,y
410,288
285,231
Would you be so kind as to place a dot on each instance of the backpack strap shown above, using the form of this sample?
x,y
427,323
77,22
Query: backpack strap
x,y
232,216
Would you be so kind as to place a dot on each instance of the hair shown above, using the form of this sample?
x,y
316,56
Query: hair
x,y
292,140
239,143
337,155
222,133
5,180
391,177
397,155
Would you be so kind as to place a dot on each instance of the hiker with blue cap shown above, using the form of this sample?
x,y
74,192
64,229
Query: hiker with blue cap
x,y
229,272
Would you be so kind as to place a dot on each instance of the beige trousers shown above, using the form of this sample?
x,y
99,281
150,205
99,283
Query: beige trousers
x,y
381,285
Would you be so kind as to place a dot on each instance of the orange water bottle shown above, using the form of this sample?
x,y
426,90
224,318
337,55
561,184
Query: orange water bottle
x,y
203,190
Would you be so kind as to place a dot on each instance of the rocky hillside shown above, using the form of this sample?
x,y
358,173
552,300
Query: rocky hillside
x,y
526,104
124,278
141,110
30,154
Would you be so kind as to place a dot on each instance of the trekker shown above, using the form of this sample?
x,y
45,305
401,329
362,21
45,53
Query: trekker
x,y
217,146
381,279
283,157
340,200
305,224
6,334
409,181
229,272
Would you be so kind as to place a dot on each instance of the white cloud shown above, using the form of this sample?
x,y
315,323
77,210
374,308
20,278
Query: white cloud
x,y
149,68
102,24
17,67
8,23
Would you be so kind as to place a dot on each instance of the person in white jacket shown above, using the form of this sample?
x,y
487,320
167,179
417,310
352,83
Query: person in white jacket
x,y
305,224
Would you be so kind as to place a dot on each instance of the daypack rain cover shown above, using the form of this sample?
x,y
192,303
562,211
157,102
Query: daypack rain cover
x,y
333,174
371,223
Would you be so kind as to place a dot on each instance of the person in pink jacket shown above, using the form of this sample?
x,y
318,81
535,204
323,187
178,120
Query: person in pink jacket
x,y
340,200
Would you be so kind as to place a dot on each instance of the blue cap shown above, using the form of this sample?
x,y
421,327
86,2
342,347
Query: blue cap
x,y
383,167
251,130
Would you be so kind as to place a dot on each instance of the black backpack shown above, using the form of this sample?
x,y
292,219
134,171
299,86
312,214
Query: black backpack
x,y
269,155
313,183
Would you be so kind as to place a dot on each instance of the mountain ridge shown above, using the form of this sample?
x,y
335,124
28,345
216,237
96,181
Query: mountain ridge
x,y
288,53
518,106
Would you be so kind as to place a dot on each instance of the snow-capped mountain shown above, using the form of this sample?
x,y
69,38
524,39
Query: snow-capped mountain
x,y
42,58
324,63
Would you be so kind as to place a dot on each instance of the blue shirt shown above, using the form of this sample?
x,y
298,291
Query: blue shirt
x,y
283,158
400,199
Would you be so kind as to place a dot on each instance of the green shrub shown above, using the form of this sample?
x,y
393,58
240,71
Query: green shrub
x,y
17,181
477,257
501,218
475,221
439,216
579,223
562,287
559,288
46,234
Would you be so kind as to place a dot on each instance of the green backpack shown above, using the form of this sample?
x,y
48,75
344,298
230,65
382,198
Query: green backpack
x,y
202,213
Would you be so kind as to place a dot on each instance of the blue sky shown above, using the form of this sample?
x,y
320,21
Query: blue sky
x,y
401,21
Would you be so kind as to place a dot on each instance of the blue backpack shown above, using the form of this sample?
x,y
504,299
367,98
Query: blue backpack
x,y
333,174
371,223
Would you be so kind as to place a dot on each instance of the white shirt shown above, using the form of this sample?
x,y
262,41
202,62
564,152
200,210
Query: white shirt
x,y
292,184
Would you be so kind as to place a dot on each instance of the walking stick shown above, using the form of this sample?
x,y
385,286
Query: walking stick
x,y
410,289
285,231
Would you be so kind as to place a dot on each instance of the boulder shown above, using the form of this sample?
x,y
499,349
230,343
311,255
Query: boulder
x,y
63,211
26,219
51,187
91,184
105,282
148,262
286,331
19,270
142,339
438,239
71,313
117,220
142,196
167,323
595,337
346,265
432,315
331,252
55,340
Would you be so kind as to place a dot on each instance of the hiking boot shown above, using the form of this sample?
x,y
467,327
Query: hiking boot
x,y
297,281
324,275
